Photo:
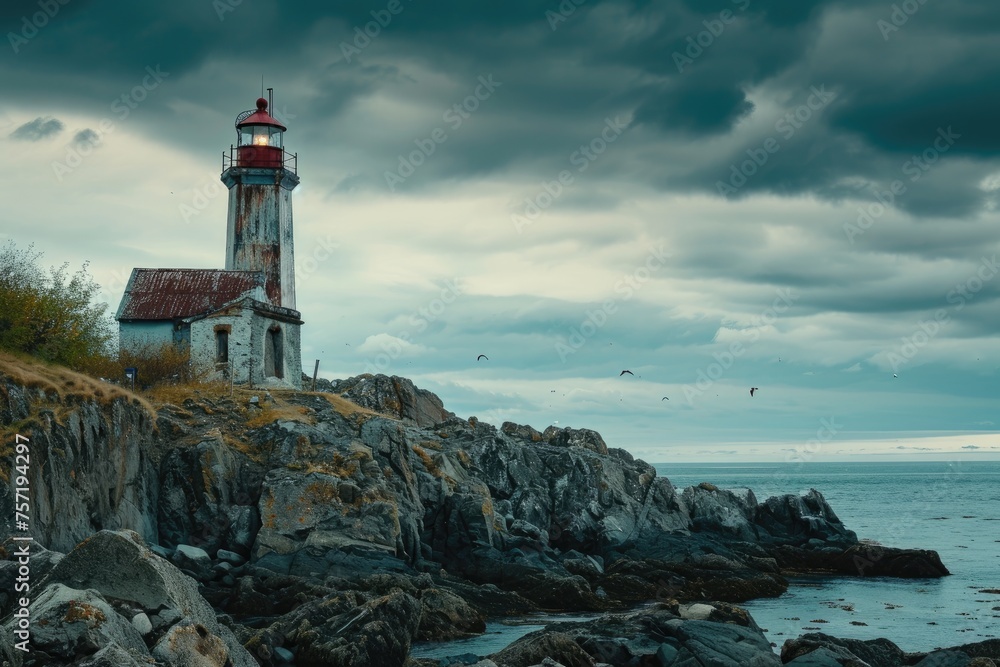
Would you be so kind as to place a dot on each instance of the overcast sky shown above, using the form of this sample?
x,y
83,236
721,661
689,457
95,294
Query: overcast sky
x,y
797,195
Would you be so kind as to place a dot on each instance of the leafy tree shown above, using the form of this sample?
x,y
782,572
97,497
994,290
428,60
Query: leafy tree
x,y
50,315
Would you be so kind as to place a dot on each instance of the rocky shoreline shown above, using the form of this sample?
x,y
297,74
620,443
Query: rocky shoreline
x,y
338,527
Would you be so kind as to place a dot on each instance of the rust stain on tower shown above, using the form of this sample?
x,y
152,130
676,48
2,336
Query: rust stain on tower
x,y
261,177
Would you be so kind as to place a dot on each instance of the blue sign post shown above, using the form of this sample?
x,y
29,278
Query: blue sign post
x,y
130,374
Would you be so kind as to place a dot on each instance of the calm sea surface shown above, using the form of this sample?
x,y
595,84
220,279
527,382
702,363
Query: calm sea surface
x,y
951,507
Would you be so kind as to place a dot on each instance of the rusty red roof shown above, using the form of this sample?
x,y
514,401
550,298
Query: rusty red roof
x,y
168,294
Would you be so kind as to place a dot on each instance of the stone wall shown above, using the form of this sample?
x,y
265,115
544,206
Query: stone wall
x,y
241,352
291,354
248,346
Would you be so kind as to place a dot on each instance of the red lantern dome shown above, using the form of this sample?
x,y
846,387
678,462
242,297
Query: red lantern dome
x,y
260,139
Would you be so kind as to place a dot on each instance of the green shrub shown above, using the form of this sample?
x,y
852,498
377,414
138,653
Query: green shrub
x,y
156,365
50,314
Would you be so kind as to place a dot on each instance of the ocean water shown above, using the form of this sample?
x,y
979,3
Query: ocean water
x,y
951,507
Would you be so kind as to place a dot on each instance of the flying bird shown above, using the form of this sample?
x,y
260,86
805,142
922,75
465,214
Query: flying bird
x,y
626,371
482,356
664,399
894,375
753,389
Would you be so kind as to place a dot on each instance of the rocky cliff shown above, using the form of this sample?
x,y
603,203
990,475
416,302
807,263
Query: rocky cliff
x,y
335,527
91,461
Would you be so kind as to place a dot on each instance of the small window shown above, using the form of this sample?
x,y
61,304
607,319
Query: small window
x,y
246,135
275,138
221,346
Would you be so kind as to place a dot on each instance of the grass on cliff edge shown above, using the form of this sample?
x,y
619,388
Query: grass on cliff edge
x,y
67,385
71,387
269,411
282,409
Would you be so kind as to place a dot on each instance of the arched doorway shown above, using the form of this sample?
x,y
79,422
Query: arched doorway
x,y
274,354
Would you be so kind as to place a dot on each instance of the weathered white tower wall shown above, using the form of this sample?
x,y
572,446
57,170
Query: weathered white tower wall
x,y
259,228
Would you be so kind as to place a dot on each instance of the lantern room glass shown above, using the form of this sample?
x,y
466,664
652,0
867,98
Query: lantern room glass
x,y
261,135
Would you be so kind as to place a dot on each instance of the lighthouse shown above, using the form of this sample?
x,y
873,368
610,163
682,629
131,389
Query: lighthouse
x,y
237,323
260,176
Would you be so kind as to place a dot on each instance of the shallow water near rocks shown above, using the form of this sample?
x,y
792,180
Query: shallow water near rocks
x,y
951,507
498,636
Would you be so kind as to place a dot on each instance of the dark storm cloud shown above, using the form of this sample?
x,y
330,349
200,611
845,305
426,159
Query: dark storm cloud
x,y
38,129
697,110
562,78
181,35
777,12
707,58
86,137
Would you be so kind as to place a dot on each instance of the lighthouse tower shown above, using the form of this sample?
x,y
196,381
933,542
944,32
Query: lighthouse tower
x,y
260,176
239,323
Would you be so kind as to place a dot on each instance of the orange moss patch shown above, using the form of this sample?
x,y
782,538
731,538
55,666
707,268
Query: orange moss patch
x,y
207,480
426,459
320,493
253,453
81,611
176,394
278,410
339,466
270,518
346,408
